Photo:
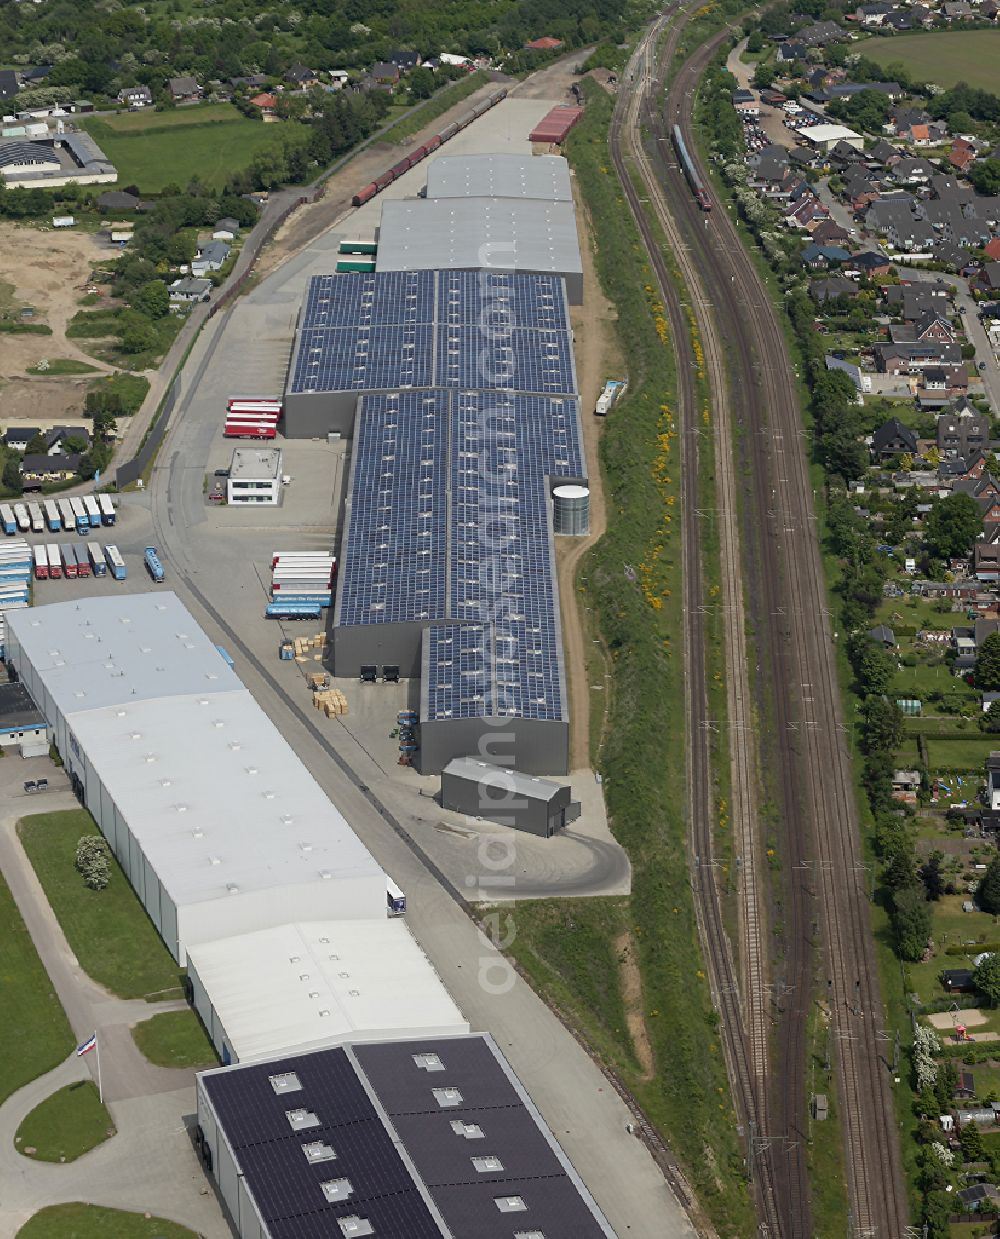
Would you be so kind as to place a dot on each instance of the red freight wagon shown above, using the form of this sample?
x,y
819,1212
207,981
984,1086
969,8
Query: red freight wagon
x,y
554,126
399,168
434,143
365,195
382,181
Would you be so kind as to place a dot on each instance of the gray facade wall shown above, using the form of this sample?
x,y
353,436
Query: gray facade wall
x,y
536,815
314,415
397,644
534,746
237,1201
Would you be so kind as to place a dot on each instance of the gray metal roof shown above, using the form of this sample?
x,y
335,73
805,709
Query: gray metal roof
x,y
502,234
518,784
500,176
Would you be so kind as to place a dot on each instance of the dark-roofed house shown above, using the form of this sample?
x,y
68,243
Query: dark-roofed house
x,y
893,439
8,84
415,1139
963,431
135,96
38,469
832,287
404,61
184,89
302,75
980,1197
988,279
18,437
385,74
117,200
958,980
882,635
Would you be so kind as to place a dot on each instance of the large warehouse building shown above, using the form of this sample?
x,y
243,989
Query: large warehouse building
x,y
217,824
310,986
527,235
422,1139
545,177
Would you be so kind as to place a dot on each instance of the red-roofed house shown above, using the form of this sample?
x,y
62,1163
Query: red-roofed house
x,y
919,135
993,250
266,103
962,155
545,44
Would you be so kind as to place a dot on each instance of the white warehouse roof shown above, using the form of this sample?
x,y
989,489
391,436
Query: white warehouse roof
x,y
822,134
307,986
502,234
216,799
500,176
133,647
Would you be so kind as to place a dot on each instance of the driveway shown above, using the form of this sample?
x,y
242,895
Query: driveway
x,y
839,213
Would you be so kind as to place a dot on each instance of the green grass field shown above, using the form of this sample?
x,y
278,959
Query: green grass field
x,y
33,1016
78,1221
66,1125
162,148
175,1039
63,365
109,931
944,58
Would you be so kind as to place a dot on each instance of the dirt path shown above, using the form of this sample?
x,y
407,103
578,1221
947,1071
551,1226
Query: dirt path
x,y
598,358
631,981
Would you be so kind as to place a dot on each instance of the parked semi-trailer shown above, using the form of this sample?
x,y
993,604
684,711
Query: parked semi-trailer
x,y
92,509
115,563
81,521
107,509
293,611
22,517
82,561
66,512
68,556
97,561
7,519
395,899
36,517
52,517
41,557
153,565
55,560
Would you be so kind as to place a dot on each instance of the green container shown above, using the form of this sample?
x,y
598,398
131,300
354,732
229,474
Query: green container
x,y
358,247
355,265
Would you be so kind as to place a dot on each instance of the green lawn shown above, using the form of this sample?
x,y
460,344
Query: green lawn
x,y
78,1221
962,754
35,1024
108,930
66,1125
943,58
175,1039
150,121
63,365
193,142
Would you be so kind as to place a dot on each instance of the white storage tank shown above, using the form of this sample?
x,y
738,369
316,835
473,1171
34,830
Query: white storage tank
x,y
571,510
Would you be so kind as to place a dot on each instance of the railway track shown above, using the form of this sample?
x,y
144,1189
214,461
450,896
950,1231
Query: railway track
x,y
798,660
744,1024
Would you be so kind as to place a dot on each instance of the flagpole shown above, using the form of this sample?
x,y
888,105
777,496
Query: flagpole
x,y
100,1086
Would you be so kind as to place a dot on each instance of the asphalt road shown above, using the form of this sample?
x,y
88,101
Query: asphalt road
x,y
573,1094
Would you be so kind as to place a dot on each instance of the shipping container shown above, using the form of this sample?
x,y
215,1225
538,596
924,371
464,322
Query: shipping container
x,y
22,517
82,560
7,519
293,611
360,266
41,557
153,565
52,518
357,247
92,509
55,560
36,517
107,509
81,520
68,559
95,553
115,563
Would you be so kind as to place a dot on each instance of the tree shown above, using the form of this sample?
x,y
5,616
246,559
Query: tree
x,y
755,43
988,890
883,725
987,669
971,1143
911,923
990,721
12,475
985,176
37,445
763,76
421,83
138,336
153,299
92,861
986,978
875,669
952,526
932,878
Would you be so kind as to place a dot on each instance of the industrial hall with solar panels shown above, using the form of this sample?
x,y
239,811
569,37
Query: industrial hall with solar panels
x,y
457,389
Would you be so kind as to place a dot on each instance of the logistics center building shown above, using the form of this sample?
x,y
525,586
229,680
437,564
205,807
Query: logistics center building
x,y
217,824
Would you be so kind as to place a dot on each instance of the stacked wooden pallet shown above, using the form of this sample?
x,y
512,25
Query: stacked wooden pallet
x,y
305,647
331,701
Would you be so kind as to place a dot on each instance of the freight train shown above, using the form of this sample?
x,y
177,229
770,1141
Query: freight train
x,y
404,165
690,171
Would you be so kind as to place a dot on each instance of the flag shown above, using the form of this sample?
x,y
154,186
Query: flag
x,y
88,1045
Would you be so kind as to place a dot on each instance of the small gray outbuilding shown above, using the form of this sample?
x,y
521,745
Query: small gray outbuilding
x,y
507,797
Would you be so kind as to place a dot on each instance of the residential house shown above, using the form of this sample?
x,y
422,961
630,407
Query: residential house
x,y
986,561
912,171
821,33
385,75
831,288
827,232
962,155
965,1086
339,78
210,257
884,636
18,438
898,20
788,53
9,85
992,249
184,89
962,429
266,103
912,357
988,279
822,257
917,133
114,200
189,289
301,76
872,14
871,264
884,153
136,96
57,436
405,61
957,10
893,439
254,81
40,470
939,385
979,1197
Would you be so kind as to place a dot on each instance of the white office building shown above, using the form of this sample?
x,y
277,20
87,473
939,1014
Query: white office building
x,y
254,476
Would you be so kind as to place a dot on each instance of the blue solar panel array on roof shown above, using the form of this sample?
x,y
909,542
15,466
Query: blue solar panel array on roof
x,y
377,358
460,671
395,549
374,299
516,359
502,299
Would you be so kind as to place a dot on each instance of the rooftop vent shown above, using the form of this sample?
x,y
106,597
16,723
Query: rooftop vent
x,y
446,1097
355,1226
510,1204
300,1120
470,1131
318,1151
337,1189
285,1082
428,1062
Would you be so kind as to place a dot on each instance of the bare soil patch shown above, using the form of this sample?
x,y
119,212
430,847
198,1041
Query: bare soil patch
x,y
631,980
